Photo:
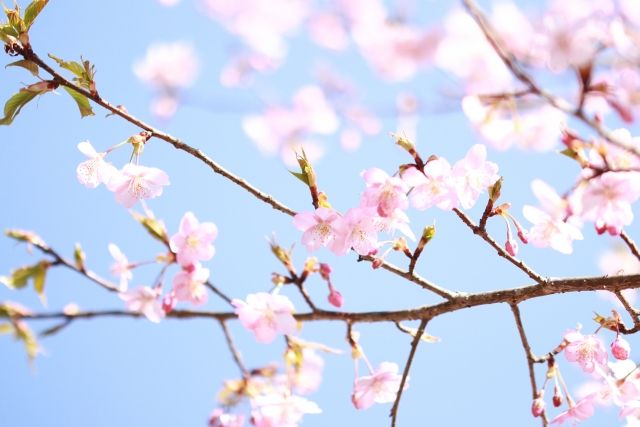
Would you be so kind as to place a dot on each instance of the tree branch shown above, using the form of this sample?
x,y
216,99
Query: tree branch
x,y
234,350
407,368
630,244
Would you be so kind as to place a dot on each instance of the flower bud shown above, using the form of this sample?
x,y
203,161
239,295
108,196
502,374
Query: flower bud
x,y
168,302
335,297
376,263
557,397
511,246
620,348
537,407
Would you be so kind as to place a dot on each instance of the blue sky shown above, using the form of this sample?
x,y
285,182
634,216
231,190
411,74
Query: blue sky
x,y
109,372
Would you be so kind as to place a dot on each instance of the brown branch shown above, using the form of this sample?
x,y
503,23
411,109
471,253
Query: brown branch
x,y
413,277
234,350
458,302
30,55
630,244
512,64
501,252
531,359
407,368
633,312
218,292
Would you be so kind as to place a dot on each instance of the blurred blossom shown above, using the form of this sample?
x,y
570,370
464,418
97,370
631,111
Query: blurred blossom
x,y
168,65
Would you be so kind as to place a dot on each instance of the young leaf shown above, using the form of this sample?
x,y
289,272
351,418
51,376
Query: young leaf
x,y
75,67
79,257
82,101
31,66
14,105
32,11
301,176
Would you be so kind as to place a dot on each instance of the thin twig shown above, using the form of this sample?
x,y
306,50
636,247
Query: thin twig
x,y
233,349
512,64
413,277
630,244
217,291
305,295
529,355
30,55
633,312
504,254
407,368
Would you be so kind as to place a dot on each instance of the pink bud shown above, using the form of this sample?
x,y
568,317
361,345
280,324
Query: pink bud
x,y
620,348
376,263
168,302
335,297
557,396
511,247
600,227
325,270
537,407
613,230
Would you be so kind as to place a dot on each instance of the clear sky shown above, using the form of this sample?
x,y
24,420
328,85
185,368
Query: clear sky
x,y
125,372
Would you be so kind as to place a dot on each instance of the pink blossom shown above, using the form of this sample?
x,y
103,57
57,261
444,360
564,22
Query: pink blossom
x,y
620,348
384,192
379,387
274,410
502,124
94,171
319,228
266,315
358,229
137,182
169,65
193,240
588,351
120,268
433,187
306,377
579,411
328,31
239,70
144,300
189,284
551,227
473,174
607,200
219,418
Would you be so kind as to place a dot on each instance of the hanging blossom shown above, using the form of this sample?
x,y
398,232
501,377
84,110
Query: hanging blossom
x,y
120,268
137,182
385,193
473,174
319,228
189,284
193,240
306,376
266,315
551,227
579,411
94,171
588,351
274,410
434,187
606,200
358,230
380,387
144,300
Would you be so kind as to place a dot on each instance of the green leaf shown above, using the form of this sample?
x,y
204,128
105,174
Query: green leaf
x,y
6,328
14,105
82,101
301,176
21,276
31,66
24,236
75,67
32,11
26,335
38,281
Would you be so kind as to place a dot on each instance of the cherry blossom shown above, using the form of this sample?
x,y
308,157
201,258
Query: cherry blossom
x,y
137,182
193,240
551,227
579,411
266,315
620,348
319,228
121,267
168,65
358,229
274,410
607,199
379,387
434,187
473,174
189,284
219,418
588,351
144,300
306,377
94,171
384,192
